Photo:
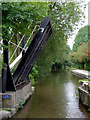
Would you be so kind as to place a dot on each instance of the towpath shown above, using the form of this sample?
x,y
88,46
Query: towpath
x,y
82,73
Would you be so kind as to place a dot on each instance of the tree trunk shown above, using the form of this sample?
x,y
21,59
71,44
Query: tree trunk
x,y
82,65
78,65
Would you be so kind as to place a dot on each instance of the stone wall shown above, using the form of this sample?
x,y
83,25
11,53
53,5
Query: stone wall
x,y
16,97
84,93
14,102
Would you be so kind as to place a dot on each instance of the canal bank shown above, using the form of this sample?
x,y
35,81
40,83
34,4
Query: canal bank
x,y
84,93
55,96
11,106
81,73
84,88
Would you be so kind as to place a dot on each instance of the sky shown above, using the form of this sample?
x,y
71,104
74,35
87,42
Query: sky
x,y
71,39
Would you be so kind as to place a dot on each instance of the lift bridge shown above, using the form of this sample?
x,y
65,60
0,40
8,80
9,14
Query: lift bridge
x,y
27,57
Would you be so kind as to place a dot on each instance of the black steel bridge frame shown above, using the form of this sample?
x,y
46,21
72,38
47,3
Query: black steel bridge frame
x,y
20,76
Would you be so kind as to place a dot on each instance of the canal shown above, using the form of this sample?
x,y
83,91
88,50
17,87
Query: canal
x,y
56,96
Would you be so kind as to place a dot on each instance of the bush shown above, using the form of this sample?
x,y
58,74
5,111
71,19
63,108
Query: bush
x,y
33,74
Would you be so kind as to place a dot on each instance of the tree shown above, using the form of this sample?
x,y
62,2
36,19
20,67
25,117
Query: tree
x,y
82,36
80,47
64,17
81,56
19,18
81,52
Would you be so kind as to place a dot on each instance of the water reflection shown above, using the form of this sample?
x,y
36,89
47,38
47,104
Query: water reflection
x,y
72,107
56,96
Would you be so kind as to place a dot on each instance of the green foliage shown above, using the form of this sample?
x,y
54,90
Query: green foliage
x,y
68,68
18,15
85,80
80,51
73,68
31,77
20,104
64,17
67,52
33,74
19,18
82,36
81,54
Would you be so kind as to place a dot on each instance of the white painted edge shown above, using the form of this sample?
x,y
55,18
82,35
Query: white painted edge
x,y
16,60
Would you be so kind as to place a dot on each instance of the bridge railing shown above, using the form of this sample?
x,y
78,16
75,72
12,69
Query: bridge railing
x,y
24,48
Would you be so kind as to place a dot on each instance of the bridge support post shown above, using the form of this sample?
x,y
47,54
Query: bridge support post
x,y
7,80
5,62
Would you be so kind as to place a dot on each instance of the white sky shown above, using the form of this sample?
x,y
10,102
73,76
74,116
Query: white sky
x,y
71,39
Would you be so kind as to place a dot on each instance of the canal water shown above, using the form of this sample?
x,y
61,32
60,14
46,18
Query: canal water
x,y
56,96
